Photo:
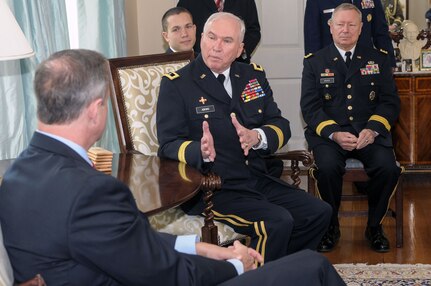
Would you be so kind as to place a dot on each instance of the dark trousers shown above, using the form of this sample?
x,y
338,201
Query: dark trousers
x,y
304,268
279,219
380,165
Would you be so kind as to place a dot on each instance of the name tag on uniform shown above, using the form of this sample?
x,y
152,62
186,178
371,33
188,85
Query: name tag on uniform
x,y
327,80
205,109
326,11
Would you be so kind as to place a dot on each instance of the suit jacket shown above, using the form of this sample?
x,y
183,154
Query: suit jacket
x,y
245,9
77,226
193,94
375,31
337,98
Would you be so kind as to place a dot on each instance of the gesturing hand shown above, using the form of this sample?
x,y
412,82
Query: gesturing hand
x,y
248,138
207,143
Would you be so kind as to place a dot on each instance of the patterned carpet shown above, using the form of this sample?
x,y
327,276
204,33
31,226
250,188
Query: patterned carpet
x,y
385,274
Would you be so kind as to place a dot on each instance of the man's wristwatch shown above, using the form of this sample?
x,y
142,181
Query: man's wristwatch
x,y
259,139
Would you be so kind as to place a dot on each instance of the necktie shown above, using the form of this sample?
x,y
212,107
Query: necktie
x,y
348,59
221,79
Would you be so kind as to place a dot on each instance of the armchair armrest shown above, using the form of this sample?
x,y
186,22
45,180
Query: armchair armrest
x,y
295,157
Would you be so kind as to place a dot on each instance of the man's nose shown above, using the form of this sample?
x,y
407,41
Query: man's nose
x,y
183,32
218,45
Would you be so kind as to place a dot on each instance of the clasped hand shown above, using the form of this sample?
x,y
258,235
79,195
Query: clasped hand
x,y
349,142
246,255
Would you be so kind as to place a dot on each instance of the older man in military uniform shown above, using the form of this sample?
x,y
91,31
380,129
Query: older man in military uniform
x,y
375,31
349,102
220,114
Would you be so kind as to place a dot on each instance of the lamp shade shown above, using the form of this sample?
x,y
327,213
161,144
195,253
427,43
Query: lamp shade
x,y
14,44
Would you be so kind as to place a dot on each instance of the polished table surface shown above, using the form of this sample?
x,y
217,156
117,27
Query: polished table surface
x,y
157,184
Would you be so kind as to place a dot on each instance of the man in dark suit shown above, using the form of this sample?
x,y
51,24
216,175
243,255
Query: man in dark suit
x,y
228,126
179,31
245,9
375,30
77,226
349,102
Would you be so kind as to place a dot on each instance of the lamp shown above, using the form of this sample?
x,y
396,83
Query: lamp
x,y
15,45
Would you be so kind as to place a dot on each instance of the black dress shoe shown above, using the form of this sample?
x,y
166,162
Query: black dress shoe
x,y
330,239
377,239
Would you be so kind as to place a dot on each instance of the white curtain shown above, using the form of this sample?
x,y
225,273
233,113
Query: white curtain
x,y
44,22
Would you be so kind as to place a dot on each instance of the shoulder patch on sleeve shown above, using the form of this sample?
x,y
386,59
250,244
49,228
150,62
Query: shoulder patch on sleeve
x,y
171,75
309,55
383,51
257,67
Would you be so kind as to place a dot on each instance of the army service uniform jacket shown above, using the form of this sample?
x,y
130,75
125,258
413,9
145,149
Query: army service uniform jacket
x,y
335,98
193,95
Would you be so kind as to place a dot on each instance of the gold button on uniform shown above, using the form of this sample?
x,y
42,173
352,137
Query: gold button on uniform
x,y
372,83
206,116
349,107
351,118
260,110
349,96
349,86
246,162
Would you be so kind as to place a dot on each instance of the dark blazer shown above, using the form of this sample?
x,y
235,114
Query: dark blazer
x,y
334,98
193,94
245,9
375,31
77,226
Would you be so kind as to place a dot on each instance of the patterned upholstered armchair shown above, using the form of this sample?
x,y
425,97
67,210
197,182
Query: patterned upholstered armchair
x,y
136,86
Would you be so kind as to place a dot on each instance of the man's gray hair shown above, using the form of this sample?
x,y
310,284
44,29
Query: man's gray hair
x,y
346,7
67,82
220,15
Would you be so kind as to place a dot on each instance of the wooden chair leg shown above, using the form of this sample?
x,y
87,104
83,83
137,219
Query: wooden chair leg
x,y
311,183
399,222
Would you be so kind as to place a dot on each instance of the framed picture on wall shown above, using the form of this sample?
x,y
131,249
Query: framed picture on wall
x,y
425,60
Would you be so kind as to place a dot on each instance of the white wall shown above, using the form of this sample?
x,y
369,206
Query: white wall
x,y
417,9
143,24
281,52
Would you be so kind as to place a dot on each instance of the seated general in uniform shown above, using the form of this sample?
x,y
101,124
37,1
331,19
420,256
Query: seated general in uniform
x,y
349,102
218,114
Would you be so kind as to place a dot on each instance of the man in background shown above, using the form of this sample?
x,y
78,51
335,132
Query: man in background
x,y
179,31
375,31
74,225
349,102
245,9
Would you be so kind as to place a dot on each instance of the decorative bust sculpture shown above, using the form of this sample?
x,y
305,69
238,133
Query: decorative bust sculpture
x,y
410,46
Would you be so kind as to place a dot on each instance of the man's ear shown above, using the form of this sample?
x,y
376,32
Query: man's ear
x,y
94,108
165,36
241,48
